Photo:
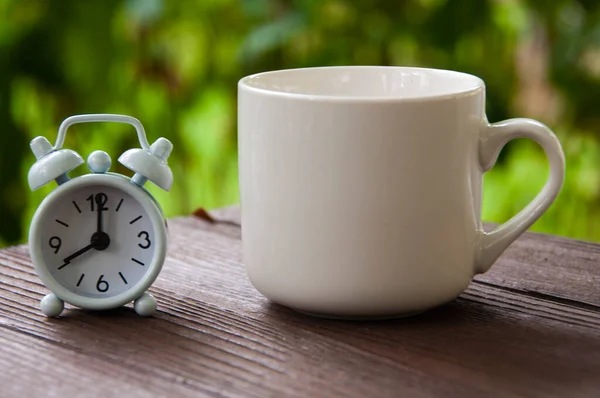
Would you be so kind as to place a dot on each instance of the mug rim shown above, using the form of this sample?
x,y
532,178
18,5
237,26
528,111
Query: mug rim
x,y
478,85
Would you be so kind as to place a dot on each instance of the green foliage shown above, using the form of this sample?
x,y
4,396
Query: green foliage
x,y
175,66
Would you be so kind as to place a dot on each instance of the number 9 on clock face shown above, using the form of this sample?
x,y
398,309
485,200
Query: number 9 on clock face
x,y
98,241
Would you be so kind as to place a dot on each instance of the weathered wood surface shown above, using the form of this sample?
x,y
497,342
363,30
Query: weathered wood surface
x,y
529,327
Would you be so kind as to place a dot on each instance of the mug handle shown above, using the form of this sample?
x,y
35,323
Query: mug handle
x,y
492,140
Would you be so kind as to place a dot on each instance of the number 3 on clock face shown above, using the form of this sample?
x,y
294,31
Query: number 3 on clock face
x,y
98,241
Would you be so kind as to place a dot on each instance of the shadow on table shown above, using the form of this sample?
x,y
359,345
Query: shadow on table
x,y
462,342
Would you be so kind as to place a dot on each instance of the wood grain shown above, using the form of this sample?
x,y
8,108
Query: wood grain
x,y
529,327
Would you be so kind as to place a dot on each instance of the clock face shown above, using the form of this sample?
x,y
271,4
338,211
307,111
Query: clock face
x,y
97,240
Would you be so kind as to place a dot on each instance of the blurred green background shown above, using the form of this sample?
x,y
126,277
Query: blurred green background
x,y
175,66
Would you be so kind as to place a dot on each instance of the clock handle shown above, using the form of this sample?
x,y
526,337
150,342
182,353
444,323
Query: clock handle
x,y
101,117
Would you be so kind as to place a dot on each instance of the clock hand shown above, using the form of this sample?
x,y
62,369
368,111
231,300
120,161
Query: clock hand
x,y
100,201
99,228
78,253
99,241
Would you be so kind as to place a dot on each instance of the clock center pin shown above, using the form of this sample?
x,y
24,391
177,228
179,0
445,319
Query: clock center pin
x,y
100,241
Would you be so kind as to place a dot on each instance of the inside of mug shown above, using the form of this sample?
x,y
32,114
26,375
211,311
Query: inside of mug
x,y
365,82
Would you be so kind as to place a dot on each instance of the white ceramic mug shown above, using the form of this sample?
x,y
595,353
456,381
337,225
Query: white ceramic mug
x,y
361,186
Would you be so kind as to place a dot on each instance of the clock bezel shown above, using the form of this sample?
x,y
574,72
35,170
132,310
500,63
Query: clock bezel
x,y
157,220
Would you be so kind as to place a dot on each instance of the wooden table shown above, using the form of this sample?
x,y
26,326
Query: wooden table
x,y
529,327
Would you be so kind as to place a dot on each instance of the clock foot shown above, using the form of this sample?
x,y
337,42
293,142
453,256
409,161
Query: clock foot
x,y
51,305
145,305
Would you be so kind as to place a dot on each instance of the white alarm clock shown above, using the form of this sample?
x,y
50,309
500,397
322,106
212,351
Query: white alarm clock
x,y
99,241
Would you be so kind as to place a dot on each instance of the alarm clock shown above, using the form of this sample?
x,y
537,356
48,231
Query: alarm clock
x,y
98,241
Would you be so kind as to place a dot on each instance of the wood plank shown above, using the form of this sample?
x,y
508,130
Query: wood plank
x,y
564,269
215,335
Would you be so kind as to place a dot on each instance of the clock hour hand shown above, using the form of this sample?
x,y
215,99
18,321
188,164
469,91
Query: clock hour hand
x,y
100,241
78,253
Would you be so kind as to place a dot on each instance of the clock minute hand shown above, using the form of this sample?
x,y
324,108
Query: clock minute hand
x,y
78,253
99,229
100,200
